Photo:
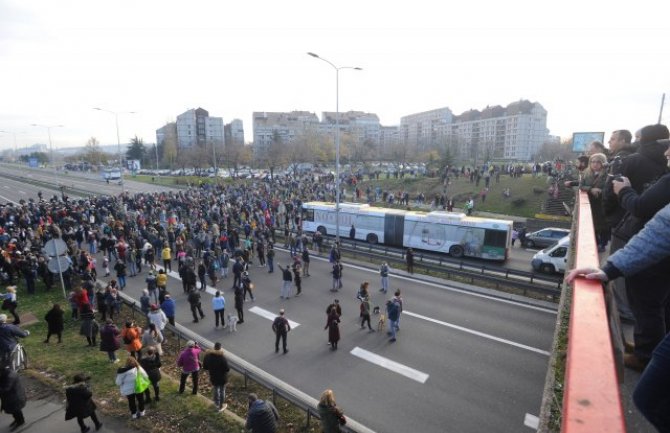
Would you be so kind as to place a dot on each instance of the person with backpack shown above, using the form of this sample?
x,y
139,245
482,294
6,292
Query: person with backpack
x,y
281,328
80,403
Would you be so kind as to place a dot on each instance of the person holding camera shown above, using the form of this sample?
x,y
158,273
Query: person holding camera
x,y
80,403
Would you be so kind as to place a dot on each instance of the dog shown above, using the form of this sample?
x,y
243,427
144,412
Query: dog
x,y
375,310
381,322
232,323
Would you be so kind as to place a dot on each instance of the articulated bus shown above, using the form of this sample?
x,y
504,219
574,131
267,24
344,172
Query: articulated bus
x,y
110,173
445,232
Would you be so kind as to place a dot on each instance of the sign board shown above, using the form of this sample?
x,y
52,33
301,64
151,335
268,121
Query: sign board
x,y
55,247
581,140
58,264
33,162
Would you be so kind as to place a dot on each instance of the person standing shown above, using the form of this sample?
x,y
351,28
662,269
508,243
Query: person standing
x,y
194,300
126,377
305,261
392,314
271,258
157,317
10,303
365,313
398,300
89,326
13,396
216,364
109,340
297,279
161,282
281,328
169,308
332,325
151,363
80,403
337,276
384,275
409,259
166,255
330,415
262,416
120,268
287,282
239,304
189,361
153,337
131,338
54,319
152,286
219,307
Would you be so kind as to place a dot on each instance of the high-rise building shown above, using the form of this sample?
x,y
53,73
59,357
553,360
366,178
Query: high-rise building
x,y
282,128
196,127
234,133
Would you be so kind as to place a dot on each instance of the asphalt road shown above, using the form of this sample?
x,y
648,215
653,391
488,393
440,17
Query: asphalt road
x,y
463,362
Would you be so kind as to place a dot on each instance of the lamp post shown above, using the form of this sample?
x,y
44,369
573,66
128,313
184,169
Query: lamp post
x,y
51,148
118,136
337,138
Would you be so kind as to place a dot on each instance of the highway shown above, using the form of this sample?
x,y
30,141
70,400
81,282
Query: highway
x,y
463,362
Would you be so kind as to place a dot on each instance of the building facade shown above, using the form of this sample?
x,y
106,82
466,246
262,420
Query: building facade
x,y
196,127
234,133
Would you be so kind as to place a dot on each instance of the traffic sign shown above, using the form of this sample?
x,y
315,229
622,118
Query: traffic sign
x,y
55,247
54,263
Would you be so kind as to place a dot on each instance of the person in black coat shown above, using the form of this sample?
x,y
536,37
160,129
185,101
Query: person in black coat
x,y
109,340
54,318
216,364
239,303
151,363
80,403
13,396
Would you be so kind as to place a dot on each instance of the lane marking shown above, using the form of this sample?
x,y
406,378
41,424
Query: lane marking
x,y
445,287
388,364
477,333
271,316
7,199
6,186
531,421
22,192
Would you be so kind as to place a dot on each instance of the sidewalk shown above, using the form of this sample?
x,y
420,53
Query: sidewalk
x,y
45,412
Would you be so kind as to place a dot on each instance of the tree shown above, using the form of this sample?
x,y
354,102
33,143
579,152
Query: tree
x,y
92,153
136,149
42,157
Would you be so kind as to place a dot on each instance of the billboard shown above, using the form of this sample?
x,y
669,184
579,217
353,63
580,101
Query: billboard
x,y
581,140
134,165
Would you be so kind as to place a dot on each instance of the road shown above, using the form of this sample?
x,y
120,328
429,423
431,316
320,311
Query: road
x,y
463,362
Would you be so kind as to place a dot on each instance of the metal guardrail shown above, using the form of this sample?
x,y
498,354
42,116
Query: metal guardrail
x,y
250,372
69,189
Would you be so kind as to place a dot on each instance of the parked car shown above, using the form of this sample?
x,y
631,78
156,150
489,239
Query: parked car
x,y
545,237
552,259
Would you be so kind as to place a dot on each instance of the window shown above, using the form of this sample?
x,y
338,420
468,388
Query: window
x,y
308,215
495,238
559,252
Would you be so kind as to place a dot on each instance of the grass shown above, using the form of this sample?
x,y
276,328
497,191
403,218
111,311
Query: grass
x,y
55,364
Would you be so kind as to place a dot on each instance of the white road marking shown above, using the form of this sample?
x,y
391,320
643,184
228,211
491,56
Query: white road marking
x,y
22,192
7,199
270,315
477,333
395,367
453,289
531,421
5,186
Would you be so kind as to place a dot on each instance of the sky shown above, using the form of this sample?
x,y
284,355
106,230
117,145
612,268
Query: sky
x,y
594,66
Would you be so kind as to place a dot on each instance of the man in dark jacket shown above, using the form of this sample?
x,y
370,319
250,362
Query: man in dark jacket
x,y
13,396
262,416
281,327
216,364
80,403
196,305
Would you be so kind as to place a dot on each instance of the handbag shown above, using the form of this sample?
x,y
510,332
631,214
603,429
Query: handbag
x,y
141,381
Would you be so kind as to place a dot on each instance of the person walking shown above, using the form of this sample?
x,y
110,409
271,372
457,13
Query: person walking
x,y
126,378
398,300
384,276
157,317
79,403
10,303
152,286
166,255
262,416
331,416
281,328
409,259
194,300
189,361
297,279
219,307
216,364
365,313
55,322
109,340
153,337
392,315
169,308
120,268
332,325
89,326
13,396
247,286
151,363
131,338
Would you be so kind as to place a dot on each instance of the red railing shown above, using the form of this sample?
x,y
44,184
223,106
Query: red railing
x,y
591,402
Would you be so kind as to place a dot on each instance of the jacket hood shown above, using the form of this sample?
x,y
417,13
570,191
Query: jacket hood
x,y
655,150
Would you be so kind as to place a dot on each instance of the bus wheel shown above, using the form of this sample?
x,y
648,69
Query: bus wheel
x,y
372,239
456,251
322,230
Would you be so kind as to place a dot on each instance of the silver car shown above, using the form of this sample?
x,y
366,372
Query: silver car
x,y
545,237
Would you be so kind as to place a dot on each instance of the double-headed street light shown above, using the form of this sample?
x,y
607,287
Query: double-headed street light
x,y
337,138
51,148
118,136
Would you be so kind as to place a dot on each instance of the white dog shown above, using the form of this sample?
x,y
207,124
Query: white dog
x,y
232,323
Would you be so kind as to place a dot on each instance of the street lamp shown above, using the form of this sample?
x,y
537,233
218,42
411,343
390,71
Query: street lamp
x,y
51,148
337,138
118,137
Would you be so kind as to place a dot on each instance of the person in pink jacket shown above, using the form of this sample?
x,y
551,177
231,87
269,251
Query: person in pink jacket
x,y
189,361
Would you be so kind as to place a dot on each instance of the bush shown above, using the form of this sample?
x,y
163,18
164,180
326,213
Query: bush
x,y
539,190
518,202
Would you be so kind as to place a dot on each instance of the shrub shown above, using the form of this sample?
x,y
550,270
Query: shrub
x,y
518,202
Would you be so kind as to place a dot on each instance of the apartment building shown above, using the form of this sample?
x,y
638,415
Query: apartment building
x,y
196,127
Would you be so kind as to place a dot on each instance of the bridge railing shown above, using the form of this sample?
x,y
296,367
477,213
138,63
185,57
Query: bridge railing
x,y
591,399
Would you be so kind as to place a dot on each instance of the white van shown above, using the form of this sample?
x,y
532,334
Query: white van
x,y
552,259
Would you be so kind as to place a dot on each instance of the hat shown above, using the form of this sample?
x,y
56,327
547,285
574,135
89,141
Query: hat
x,y
80,377
3,318
190,343
153,307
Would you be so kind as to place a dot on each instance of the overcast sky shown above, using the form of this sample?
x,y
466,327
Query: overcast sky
x,y
594,68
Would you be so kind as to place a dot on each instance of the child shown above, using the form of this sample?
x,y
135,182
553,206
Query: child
x,y
105,265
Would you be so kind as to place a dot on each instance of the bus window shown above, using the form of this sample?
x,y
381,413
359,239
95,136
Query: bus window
x,y
495,238
308,215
